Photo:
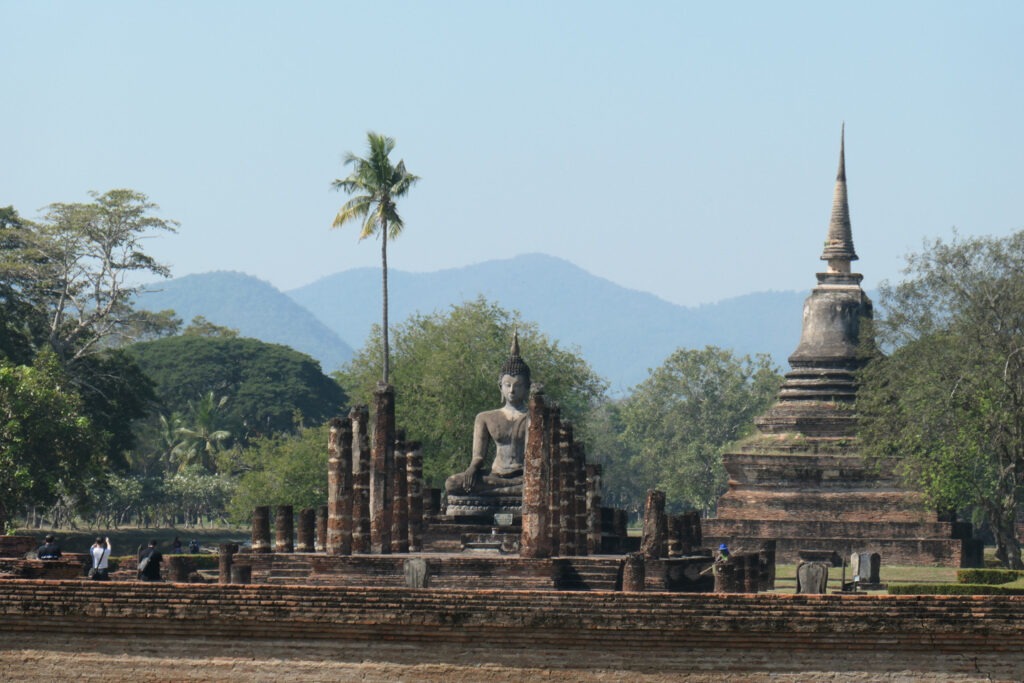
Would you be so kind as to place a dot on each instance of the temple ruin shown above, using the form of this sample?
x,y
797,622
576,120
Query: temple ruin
x,y
802,480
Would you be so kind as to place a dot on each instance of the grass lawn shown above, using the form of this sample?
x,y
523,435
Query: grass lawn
x,y
785,576
126,541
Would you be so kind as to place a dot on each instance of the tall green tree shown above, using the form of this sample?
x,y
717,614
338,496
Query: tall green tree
x,y
46,444
446,368
947,404
681,418
376,184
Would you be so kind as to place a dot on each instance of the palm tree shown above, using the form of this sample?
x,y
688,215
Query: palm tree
x,y
375,185
201,442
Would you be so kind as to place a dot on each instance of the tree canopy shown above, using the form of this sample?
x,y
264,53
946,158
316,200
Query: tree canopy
x,y
679,420
268,386
948,402
445,368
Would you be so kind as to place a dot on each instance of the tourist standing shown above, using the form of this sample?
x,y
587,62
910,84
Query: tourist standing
x,y
50,550
100,552
149,563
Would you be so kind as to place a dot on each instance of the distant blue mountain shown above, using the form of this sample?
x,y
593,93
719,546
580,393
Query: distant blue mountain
x,y
622,332
253,307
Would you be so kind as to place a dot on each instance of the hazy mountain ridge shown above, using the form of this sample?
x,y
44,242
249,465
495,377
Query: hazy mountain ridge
x,y
253,307
622,332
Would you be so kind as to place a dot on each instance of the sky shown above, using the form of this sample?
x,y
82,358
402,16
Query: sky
x,y
681,148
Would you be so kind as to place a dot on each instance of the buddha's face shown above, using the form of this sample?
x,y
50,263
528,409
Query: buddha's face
x,y
514,389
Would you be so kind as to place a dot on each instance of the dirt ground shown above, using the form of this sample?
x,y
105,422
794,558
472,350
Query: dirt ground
x,y
50,657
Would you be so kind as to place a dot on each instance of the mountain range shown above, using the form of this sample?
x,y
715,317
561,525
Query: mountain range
x,y
621,332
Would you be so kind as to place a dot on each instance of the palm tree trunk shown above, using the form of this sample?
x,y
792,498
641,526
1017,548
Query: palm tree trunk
x,y
384,281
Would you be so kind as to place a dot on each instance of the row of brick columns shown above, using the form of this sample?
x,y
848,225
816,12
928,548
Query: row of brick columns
x,y
374,494
561,492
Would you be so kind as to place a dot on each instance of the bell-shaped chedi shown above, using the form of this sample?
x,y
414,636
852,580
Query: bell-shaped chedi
x,y
819,391
801,480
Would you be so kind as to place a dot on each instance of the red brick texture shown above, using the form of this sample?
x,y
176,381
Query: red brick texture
x,y
973,638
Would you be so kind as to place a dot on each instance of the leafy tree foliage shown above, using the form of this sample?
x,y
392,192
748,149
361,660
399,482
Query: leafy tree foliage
x,y
680,419
375,185
265,383
199,444
46,443
284,469
948,402
445,368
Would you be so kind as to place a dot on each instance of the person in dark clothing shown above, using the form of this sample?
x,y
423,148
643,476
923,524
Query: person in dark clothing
x,y
149,563
50,550
193,546
176,546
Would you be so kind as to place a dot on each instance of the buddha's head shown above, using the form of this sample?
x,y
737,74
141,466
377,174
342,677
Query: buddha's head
x,y
514,379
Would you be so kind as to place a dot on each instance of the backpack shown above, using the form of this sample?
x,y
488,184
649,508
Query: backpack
x,y
143,563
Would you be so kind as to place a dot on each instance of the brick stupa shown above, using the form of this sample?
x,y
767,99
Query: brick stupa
x,y
801,481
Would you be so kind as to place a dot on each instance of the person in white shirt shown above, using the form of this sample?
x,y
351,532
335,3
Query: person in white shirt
x,y
100,552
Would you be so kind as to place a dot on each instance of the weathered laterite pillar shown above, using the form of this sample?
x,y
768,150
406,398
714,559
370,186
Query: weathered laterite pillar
x,y
554,479
339,487
672,546
579,458
535,540
225,553
654,524
634,572
414,484
620,525
178,568
360,416
594,509
261,529
567,491
400,498
307,531
284,528
321,528
381,468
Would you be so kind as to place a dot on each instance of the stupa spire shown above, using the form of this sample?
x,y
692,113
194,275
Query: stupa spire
x,y
839,243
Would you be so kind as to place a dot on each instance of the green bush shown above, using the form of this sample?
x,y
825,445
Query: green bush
x,y
988,576
953,589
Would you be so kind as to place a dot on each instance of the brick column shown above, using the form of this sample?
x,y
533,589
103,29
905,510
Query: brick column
x,y
284,528
178,568
414,485
535,541
225,553
554,478
321,528
381,467
634,572
567,491
307,531
261,529
594,509
360,417
400,498
339,487
579,458
654,524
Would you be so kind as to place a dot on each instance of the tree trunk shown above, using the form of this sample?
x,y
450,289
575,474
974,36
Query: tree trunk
x,y
384,281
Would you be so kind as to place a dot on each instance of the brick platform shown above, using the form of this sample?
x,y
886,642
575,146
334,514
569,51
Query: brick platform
x,y
579,636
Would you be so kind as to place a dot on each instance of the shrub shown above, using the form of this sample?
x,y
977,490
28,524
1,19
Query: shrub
x,y
988,576
953,589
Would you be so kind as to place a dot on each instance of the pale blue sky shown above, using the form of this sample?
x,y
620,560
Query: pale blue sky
x,y
680,148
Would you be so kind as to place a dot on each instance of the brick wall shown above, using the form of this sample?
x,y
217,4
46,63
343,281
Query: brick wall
x,y
913,633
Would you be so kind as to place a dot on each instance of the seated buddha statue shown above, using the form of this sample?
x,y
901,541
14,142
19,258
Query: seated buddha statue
x,y
506,428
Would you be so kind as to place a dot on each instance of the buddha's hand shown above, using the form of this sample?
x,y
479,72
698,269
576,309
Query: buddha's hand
x,y
470,478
